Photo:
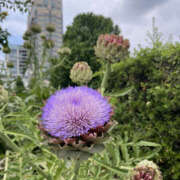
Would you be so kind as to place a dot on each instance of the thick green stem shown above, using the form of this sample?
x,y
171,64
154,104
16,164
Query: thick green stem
x,y
105,78
7,141
76,169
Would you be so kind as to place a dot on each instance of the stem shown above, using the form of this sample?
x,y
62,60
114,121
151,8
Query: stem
x,y
105,78
76,169
43,60
7,141
36,62
20,168
6,165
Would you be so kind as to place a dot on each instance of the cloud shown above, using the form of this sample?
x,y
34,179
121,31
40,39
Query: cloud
x,y
134,11
134,17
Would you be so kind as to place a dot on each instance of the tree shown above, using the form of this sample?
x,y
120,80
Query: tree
x,y
22,6
81,38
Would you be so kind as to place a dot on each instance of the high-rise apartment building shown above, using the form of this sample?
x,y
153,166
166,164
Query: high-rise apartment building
x,y
18,59
44,13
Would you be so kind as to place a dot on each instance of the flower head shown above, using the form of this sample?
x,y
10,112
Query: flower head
x,y
111,47
73,112
146,170
50,28
35,28
64,51
81,73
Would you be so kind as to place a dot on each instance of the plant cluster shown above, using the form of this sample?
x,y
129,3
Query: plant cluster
x,y
59,135
152,107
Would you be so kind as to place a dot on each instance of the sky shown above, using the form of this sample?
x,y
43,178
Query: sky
x,y
134,18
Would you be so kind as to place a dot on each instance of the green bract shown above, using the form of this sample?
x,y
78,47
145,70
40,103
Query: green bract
x,y
81,73
111,47
50,28
146,170
35,28
64,51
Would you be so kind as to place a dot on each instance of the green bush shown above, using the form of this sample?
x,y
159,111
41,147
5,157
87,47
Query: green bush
x,y
153,106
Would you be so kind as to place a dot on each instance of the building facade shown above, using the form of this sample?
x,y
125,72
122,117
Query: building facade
x,y
44,13
17,59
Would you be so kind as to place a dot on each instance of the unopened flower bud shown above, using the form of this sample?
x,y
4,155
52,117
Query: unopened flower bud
x,y
111,47
50,28
6,50
81,73
27,45
146,170
28,33
64,51
43,36
36,28
10,64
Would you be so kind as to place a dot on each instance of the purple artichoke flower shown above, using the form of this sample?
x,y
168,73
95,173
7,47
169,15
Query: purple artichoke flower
x,y
73,112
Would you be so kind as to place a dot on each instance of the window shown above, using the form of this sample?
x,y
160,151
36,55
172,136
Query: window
x,y
35,13
53,4
46,3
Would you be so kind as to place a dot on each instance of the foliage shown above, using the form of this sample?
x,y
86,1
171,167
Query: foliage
x,y
81,38
19,87
60,67
144,91
21,5
33,159
3,33
153,104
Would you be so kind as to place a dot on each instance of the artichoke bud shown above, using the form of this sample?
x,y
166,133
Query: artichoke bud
x,y
27,45
10,65
50,28
3,94
146,170
36,28
81,73
3,15
43,37
28,33
84,130
64,51
6,50
111,47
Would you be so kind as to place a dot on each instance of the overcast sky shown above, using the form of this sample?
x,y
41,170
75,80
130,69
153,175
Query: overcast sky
x,y
134,17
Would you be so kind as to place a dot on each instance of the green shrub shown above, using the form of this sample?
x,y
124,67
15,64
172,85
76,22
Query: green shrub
x,y
153,106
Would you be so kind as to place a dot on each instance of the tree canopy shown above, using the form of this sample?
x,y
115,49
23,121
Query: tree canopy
x,y
81,38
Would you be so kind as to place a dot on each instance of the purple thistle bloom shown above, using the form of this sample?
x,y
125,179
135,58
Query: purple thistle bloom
x,y
72,112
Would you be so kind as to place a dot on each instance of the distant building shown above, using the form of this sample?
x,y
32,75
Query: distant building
x,y
43,13
18,59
